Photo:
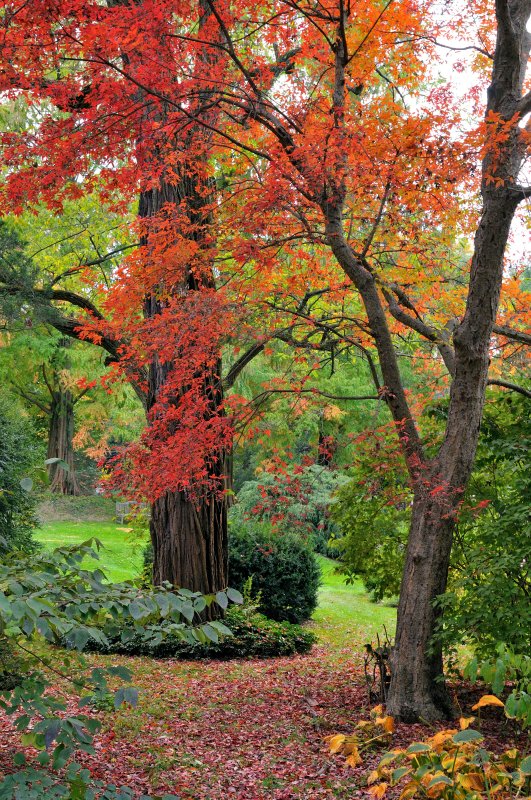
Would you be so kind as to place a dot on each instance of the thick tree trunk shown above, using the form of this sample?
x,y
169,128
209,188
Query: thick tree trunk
x,y
190,541
189,531
60,443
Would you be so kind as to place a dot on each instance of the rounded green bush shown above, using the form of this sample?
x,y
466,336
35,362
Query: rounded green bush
x,y
283,568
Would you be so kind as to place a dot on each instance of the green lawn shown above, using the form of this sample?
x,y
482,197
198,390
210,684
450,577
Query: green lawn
x,y
342,608
121,557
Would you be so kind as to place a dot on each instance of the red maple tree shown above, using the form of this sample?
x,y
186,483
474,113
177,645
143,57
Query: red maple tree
x,y
335,181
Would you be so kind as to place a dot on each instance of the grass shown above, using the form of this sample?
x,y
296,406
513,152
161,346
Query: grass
x,y
342,608
347,607
122,555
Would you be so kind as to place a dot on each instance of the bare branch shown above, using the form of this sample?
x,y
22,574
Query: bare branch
x,y
511,333
513,387
241,363
418,325
265,394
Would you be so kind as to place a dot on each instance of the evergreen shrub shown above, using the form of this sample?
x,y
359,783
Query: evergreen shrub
x,y
283,568
18,453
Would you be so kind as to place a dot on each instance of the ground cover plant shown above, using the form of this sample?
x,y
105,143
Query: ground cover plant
x,y
197,726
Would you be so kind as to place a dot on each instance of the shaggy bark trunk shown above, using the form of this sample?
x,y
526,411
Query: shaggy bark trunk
x,y
60,443
190,542
188,533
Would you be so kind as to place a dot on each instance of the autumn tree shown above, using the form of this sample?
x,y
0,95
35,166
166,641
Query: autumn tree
x,y
348,54
164,324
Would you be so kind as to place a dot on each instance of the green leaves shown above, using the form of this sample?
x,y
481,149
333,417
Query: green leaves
x,y
60,463
234,596
466,736
127,695
53,595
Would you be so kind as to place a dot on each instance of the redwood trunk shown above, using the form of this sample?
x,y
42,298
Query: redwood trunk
x,y
189,531
60,443
190,542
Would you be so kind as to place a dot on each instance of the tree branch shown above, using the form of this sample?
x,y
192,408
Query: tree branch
x,y
241,363
510,333
524,106
45,409
513,387
267,392
418,325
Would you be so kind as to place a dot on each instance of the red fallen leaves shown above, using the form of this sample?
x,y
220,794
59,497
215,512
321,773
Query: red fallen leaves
x,y
252,730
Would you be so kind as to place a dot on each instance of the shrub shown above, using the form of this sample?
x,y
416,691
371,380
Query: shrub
x,y
298,502
373,532
284,571
253,635
52,595
12,666
454,765
507,668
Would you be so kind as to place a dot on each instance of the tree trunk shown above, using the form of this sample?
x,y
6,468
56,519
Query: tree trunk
x,y
60,443
417,691
189,533
190,542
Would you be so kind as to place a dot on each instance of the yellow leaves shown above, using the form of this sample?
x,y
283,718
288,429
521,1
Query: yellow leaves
x,y
387,723
453,764
354,758
472,781
378,791
487,700
332,412
510,757
347,746
369,733
441,737
409,790
350,748
335,743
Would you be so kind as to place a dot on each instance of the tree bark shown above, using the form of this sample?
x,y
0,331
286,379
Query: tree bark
x,y
60,443
190,542
189,533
